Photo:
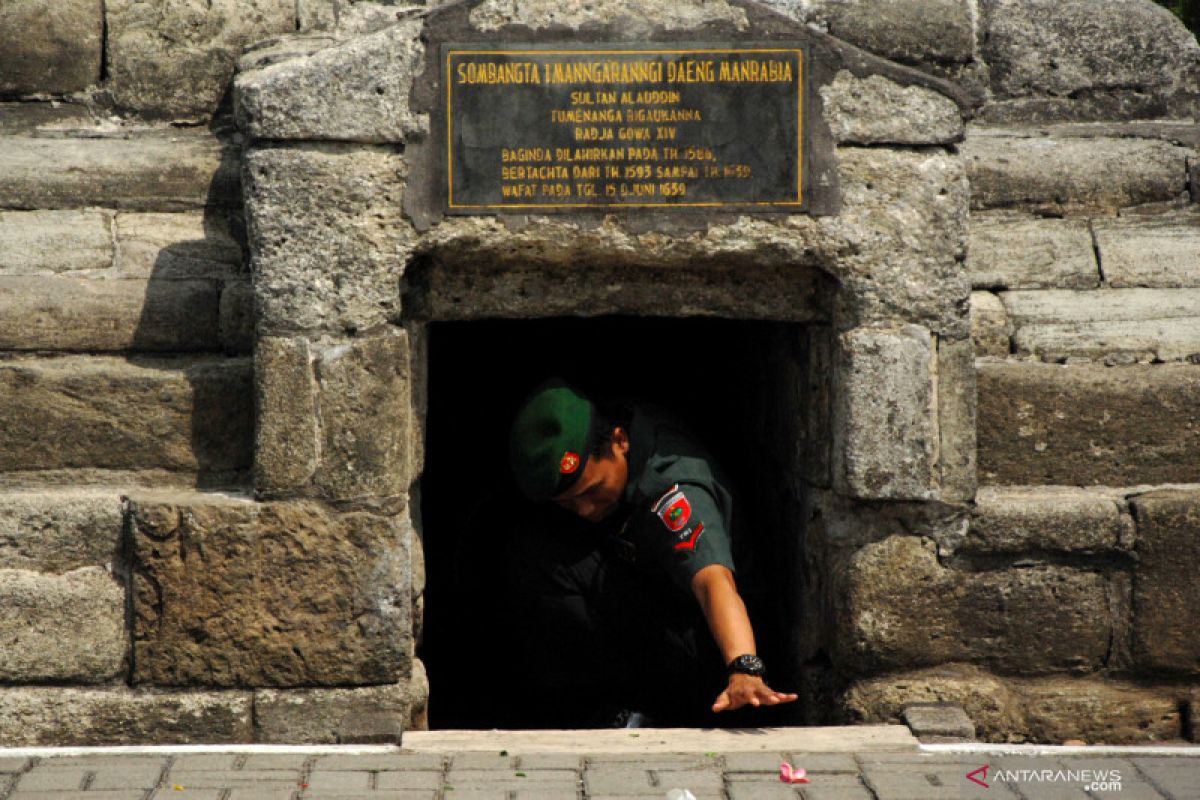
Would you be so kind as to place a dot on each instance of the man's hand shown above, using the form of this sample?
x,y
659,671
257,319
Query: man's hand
x,y
749,690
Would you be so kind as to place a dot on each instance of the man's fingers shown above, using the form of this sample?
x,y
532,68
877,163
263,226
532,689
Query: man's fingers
x,y
722,702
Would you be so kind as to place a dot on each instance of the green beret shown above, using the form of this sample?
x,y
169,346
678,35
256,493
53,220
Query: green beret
x,y
550,440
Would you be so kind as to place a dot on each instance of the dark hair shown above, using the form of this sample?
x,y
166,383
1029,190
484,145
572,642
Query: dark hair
x,y
610,415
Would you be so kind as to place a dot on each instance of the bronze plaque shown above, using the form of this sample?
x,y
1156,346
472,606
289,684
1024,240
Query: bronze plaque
x,y
537,128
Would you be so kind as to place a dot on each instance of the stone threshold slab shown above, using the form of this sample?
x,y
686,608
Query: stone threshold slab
x,y
841,739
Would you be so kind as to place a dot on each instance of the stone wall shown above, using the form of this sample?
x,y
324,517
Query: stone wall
x,y
203,396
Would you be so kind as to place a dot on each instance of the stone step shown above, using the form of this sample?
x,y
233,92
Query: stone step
x,y
145,169
191,417
1018,251
1087,424
1073,172
100,280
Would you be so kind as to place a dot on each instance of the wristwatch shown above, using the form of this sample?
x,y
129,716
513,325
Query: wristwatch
x,y
748,664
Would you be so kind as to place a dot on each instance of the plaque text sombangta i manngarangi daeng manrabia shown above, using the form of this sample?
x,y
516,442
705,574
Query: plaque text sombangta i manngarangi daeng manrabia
x,y
540,127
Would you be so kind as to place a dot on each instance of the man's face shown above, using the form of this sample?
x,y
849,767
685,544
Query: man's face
x,y
597,493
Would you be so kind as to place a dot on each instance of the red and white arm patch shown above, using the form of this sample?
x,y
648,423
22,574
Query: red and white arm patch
x,y
688,539
675,511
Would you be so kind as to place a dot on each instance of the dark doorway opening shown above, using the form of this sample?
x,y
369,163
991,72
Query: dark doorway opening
x,y
740,385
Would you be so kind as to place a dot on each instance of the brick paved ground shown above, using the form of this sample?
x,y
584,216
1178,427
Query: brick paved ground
x,y
595,776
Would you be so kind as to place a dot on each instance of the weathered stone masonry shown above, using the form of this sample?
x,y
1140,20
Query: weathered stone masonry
x,y
212,414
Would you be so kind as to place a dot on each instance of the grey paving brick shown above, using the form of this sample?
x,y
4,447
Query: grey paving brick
x,y
482,761
381,763
911,758
402,794
1049,791
550,761
169,791
341,781
661,794
928,782
229,779
50,779
759,790
692,779
1176,778
835,787
292,761
13,763
1127,790
546,794
667,761
221,762
100,762
113,794
128,777
475,794
754,762
824,762
617,780
408,780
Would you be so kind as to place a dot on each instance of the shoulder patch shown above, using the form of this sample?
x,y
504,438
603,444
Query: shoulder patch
x,y
688,538
674,511
655,505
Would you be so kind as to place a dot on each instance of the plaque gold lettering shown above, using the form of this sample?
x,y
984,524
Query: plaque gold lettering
x,y
569,127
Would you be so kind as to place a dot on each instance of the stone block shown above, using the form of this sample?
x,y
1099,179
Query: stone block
x,y
50,49
1034,619
1064,175
1166,631
1048,520
886,432
176,171
329,716
363,394
476,290
1117,325
908,31
188,245
939,722
990,328
1155,251
316,15
1014,252
83,314
956,397
234,594
904,218
1099,711
1123,58
179,414
59,530
1082,425
67,628
287,436
58,716
987,699
355,91
237,317
328,242
633,18
175,60
1050,710
55,242
875,110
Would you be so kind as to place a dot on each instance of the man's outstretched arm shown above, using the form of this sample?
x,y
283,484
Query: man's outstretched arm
x,y
718,596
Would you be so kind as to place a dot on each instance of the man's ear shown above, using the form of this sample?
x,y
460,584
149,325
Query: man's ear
x,y
620,440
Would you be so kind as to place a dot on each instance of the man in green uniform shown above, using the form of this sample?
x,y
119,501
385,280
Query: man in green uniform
x,y
641,597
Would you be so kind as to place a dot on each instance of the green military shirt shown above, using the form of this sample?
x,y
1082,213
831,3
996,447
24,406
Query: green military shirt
x,y
680,510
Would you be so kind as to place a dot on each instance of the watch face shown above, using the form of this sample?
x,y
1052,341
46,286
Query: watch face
x,y
748,665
